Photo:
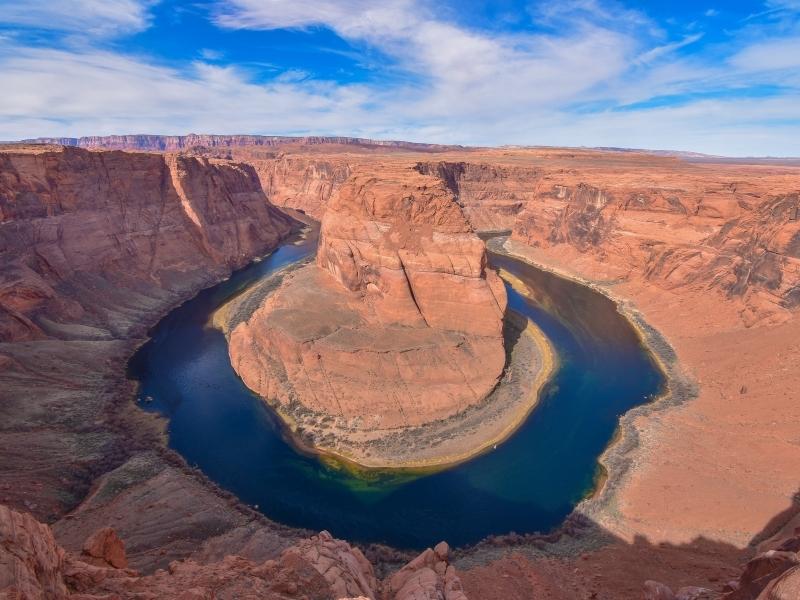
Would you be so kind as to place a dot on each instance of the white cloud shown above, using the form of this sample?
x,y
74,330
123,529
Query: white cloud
x,y
461,69
769,55
75,93
459,84
784,4
86,17
212,55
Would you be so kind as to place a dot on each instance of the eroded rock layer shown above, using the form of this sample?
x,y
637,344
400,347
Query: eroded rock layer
x,y
399,323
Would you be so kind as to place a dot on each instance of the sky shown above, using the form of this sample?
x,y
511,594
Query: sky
x,y
719,77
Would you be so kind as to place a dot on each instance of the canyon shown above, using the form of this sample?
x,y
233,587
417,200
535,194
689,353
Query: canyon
x,y
96,245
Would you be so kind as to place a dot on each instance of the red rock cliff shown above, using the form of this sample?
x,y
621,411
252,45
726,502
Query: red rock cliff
x,y
84,232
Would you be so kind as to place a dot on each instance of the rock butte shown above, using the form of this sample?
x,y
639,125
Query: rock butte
x,y
706,250
399,323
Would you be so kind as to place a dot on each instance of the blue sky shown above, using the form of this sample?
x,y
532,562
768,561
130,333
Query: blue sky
x,y
721,77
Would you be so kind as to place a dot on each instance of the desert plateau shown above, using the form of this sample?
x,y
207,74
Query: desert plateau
x,y
516,358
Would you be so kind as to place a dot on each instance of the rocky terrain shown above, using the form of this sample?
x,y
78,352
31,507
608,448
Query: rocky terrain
x,y
34,566
773,574
97,245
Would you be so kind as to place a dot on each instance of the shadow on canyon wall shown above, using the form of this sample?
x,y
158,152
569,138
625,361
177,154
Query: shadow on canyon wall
x,y
582,559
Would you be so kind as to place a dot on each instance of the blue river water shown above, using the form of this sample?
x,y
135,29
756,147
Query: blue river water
x,y
529,483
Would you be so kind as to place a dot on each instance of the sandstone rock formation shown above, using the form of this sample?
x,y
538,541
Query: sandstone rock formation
x,y
302,183
105,548
399,324
698,238
492,195
428,576
33,566
705,250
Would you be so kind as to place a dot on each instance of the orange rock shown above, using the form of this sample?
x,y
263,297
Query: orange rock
x,y
31,563
399,325
784,587
106,548
427,577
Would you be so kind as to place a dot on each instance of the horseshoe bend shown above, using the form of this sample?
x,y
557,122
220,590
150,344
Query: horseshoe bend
x,y
395,335
403,342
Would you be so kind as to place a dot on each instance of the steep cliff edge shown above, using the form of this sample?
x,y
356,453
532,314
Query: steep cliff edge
x,y
303,183
492,195
397,326
94,248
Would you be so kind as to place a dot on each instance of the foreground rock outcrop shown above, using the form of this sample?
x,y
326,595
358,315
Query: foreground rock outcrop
x,y
398,325
34,566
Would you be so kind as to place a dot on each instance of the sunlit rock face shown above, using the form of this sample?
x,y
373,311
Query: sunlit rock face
x,y
398,324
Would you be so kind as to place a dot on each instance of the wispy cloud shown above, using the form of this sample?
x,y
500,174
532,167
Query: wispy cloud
x,y
87,17
68,92
654,53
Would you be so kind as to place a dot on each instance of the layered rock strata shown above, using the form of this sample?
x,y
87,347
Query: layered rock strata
x,y
83,234
722,236
398,325
709,473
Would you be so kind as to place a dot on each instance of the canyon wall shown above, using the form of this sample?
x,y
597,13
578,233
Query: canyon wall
x,y
691,231
94,248
96,245
302,183
492,195
83,234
